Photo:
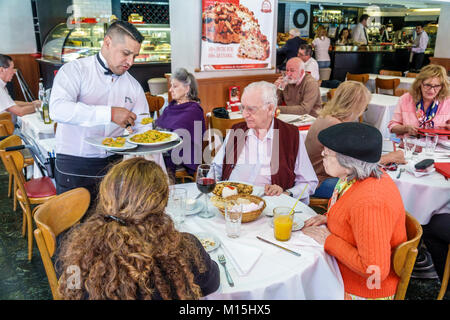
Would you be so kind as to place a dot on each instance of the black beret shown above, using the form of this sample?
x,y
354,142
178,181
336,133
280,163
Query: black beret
x,y
353,139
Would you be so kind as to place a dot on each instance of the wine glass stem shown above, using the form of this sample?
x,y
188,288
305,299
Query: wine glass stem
x,y
206,203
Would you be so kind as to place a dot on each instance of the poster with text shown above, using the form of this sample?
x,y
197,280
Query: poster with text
x,y
237,34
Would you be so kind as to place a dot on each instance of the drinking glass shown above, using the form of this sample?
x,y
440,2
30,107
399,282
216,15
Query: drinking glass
x,y
283,83
282,223
430,143
233,220
409,145
176,206
206,182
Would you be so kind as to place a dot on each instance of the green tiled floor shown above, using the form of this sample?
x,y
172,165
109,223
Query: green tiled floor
x,y
20,279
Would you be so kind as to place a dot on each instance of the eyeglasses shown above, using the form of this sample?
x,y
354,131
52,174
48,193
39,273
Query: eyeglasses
x,y
429,86
249,109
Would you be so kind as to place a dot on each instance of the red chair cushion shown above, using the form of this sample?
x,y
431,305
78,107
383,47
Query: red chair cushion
x,y
40,188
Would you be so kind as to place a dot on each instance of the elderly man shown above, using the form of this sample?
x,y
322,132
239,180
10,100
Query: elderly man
x,y
311,65
18,108
252,151
290,49
359,33
298,92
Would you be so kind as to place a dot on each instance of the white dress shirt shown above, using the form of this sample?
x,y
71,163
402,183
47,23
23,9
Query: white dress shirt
x,y
5,99
312,67
253,164
81,101
420,43
359,34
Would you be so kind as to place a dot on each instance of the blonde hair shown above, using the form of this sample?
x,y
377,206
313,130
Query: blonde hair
x,y
430,71
321,31
349,100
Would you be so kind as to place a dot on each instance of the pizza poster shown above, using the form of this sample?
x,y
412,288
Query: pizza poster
x,y
237,34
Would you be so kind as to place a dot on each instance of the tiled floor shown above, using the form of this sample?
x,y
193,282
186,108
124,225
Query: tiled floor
x,y
20,279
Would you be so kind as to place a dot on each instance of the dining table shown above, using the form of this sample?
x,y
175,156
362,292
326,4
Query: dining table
x,y
379,112
262,271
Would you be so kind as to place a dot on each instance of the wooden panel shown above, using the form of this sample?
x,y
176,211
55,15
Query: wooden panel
x,y
30,71
445,62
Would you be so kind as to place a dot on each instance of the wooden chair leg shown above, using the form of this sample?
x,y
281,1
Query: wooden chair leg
x,y
10,185
24,223
30,233
446,276
15,196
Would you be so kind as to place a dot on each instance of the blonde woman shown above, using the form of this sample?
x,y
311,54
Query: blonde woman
x,y
426,105
129,249
348,103
321,44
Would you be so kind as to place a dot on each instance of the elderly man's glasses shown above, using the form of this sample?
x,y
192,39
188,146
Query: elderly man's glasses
x,y
429,86
249,109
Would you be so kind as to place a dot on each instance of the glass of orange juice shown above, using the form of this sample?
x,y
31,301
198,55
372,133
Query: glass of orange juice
x,y
282,223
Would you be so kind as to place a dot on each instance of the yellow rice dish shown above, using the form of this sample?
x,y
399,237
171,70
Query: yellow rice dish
x,y
146,120
111,142
151,136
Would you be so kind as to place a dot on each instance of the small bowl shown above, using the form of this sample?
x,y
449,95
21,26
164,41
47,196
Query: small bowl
x,y
190,204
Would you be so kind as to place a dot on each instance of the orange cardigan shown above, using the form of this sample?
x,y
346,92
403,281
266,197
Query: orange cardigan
x,y
366,224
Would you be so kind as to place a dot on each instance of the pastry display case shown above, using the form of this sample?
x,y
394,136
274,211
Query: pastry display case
x,y
65,44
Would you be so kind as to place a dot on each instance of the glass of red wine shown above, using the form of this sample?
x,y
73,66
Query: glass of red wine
x,y
206,182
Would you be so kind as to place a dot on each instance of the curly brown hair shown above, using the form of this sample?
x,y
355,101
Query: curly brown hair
x,y
139,255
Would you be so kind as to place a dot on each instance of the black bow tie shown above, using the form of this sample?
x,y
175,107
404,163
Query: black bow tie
x,y
108,71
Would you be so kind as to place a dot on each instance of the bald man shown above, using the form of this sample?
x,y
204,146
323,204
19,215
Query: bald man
x,y
298,92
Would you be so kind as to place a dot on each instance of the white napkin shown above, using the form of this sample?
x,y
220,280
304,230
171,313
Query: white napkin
x,y
298,239
242,256
411,169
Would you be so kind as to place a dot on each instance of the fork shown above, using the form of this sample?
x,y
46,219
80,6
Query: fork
x,y
223,262
400,173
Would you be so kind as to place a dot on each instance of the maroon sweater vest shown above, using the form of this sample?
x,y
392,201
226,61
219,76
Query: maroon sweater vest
x,y
282,162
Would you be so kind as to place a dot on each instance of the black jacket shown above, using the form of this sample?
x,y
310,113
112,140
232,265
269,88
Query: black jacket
x,y
288,51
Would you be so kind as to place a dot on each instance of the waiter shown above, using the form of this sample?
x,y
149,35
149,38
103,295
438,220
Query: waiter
x,y
359,34
419,47
95,96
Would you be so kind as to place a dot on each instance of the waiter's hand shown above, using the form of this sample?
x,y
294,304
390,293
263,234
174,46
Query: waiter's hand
x,y
122,116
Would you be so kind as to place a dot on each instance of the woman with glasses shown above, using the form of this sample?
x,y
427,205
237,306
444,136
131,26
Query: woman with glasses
x,y
426,105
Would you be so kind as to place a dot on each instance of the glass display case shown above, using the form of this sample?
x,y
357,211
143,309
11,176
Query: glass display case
x,y
65,44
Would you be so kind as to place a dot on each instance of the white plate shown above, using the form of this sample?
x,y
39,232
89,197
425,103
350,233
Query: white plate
x,y
297,224
202,236
97,142
173,137
199,205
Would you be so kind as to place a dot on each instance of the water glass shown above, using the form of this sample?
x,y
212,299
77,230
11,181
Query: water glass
x,y
283,83
176,206
233,220
409,145
282,223
430,143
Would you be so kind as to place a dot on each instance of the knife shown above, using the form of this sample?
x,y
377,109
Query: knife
x,y
288,250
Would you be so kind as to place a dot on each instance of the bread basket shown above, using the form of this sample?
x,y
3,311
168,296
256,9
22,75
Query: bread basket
x,y
246,216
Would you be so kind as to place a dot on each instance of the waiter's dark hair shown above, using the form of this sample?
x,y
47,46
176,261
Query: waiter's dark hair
x,y
363,17
5,60
307,48
187,79
124,28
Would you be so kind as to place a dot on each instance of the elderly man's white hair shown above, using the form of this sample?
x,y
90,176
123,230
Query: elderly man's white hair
x,y
294,32
267,91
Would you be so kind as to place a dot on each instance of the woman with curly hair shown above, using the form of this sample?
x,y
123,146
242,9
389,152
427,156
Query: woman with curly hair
x,y
129,249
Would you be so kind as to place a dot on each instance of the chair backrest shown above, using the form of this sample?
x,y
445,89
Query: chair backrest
x,y
9,126
400,91
404,255
5,116
53,217
391,73
223,124
387,84
324,73
411,74
330,94
155,103
14,163
363,77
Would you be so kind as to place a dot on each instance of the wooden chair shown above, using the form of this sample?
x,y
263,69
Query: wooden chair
x,y
54,217
446,276
34,191
399,92
155,103
222,124
363,77
387,84
321,203
330,94
8,125
391,73
411,75
182,174
13,141
405,254
5,116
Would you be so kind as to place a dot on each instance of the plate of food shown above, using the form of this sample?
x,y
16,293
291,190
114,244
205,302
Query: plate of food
x,y
110,143
152,138
208,241
229,188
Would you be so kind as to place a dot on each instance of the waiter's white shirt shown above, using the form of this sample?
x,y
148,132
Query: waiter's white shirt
x,y
253,164
358,34
81,101
312,67
5,99
420,43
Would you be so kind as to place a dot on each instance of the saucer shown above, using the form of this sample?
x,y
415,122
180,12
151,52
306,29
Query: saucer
x,y
297,224
198,208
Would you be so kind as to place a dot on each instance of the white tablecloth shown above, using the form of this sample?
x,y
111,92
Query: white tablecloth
x,y
425,196
380,111
33,126
277,274
405,82
323,93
